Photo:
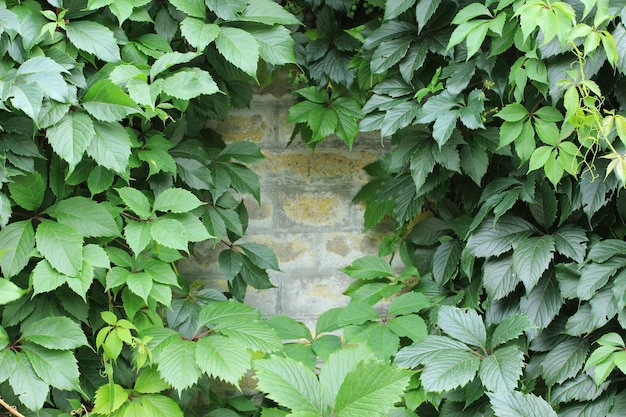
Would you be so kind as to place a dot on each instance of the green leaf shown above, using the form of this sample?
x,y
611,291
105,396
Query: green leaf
x,y
137,235
288,328
276,46
571,241
198,34
605,249
140,284
446,261
594,276
194,8
99,180
189,83
531,258
517,404
150,382
501,370
462,324
86,216
27,97
424,351
219,357
110,398
45,333
370,390
514,112
581,388
337,366
61,245
169,233
45,278
369,267
394,8
136,201
110,147
268,13
410,302
57,368
543,303
176,200
27,386
509,329
107,102
411,326
239,48
71,136
499,277
260,255
17,240
92,37
177,364
28,190
388,54
494,239
168,60
449,369
564,361
291,385
161,406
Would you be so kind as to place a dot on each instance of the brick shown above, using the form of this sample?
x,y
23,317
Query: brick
x,y
316,208
294,251
309,296
254,127
341,249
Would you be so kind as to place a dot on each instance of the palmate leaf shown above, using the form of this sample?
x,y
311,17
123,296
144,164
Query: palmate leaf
x,y
449,369
219,357
17,240
517,404
84,215
92,37
276,46
462,324
291,384
531,258
239,48
198,34
337,366
501,370
370,390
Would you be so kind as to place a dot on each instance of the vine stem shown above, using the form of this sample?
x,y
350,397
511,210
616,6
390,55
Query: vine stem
x,y
11,408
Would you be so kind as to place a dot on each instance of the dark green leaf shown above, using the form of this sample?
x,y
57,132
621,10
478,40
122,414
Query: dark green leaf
x,y
510,328
110,147
543,303
176,200
531,258
494,239
517,404
565,360
28,387
501,370
57,368
449,369
571,241
446,261
499,277
268,13
464,325
260,255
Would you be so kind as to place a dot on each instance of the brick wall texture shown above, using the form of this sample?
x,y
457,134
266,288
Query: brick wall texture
x,y
306,215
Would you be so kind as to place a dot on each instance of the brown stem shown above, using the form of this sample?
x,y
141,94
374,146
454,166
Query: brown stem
x,y
11,409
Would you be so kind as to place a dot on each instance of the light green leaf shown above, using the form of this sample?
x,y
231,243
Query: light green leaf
x,y
291,384
110,147
177,364
150,382
137,235
410,302
227,9
411,326
92,37
161,406
288,328
140,283
45,278
17,240
501,370
99,179
57,368
86,216
337,366
276,46
268,13
169,233
239,48
449,369
369,267
136,201
10,292
107,102
45,333
28,190
168,60
531,258
189,83
564,361
5,210
494,239
110,398
176,200
194,8
28,387
198,34
370,390
71,136
462,324
517,404
27,97
219,357
261,255
61,245
510,328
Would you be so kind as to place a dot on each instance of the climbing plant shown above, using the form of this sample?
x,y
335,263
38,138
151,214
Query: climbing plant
x,y
503,184
109,175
